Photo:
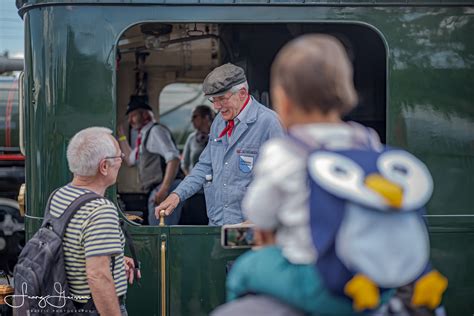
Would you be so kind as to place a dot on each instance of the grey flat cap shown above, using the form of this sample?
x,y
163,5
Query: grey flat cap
x,y
222,78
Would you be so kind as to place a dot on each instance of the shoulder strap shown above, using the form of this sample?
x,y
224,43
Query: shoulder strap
x,y
158,124
59,224
46,208
180,174
145,141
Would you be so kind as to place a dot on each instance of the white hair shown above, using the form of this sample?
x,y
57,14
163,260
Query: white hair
x,y
236,88
87,148
152,115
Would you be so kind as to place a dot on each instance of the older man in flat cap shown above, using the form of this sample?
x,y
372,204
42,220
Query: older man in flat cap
x,y
237,133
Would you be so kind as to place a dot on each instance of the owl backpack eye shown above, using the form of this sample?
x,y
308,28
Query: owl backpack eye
x,y
340,172
342,177
335,169
400,169
408,172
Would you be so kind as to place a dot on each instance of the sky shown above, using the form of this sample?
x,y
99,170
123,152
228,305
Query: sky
x,y
11,29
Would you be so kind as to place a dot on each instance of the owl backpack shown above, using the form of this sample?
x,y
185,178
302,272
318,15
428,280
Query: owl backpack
x,y
367,225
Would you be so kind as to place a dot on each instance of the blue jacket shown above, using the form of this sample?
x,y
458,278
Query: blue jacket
x,y
225,166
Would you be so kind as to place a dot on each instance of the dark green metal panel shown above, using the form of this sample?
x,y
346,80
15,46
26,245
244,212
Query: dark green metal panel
x,y
69,88
195,270
197,265
431,111
70,84
144,297
451,253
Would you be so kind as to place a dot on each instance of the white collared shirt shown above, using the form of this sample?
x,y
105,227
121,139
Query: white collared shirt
x,y
159,142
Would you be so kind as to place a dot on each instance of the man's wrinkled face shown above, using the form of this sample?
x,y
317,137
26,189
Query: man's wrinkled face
x,y
228,105
136,119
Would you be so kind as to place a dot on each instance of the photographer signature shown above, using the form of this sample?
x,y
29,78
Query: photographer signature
x,y
51,300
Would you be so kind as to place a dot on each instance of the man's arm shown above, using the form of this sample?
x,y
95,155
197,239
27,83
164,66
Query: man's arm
x,y
124,146
102,285
102,239
190,185
160,142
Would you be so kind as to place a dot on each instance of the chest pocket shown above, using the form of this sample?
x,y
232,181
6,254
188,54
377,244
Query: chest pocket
x,y
247,156
217,152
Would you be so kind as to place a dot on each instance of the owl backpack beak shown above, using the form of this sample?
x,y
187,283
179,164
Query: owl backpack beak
x,y
391,192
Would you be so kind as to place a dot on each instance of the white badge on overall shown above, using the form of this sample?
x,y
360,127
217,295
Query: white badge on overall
x,y
246,163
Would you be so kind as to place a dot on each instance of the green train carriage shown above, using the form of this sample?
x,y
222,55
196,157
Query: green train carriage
x,y
413,64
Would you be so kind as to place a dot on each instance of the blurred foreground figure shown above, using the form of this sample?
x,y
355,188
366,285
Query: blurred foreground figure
x,y
346,213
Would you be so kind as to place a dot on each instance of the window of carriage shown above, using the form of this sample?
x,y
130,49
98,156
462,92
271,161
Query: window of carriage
x,y
176,103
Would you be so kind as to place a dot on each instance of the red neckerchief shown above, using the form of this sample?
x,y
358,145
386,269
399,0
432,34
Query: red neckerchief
x,y
230,124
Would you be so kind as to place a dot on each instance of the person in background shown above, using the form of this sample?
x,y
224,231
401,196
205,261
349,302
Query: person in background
x,y
194,208
225,167
202,118
155,154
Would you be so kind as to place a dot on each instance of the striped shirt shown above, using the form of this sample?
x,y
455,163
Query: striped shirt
x,y
93,231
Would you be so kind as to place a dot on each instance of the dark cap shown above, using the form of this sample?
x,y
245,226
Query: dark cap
x,y
222,79
138,102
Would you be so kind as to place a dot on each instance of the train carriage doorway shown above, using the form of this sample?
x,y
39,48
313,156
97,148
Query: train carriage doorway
x,y
152,56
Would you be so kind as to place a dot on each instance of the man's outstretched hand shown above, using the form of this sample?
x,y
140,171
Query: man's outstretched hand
x,y
168,205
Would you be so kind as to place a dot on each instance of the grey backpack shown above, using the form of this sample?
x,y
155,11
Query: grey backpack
x,y
41,286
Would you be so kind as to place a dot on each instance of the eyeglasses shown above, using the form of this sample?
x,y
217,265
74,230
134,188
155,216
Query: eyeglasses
x,y
122,156
220,100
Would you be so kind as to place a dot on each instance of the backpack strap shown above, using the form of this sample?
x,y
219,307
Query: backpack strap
x,y
59,225
48,204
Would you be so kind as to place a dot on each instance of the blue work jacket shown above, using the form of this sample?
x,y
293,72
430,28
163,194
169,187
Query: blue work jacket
x,y
225,167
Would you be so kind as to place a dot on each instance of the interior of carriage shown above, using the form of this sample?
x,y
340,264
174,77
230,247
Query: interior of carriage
x,y
168,62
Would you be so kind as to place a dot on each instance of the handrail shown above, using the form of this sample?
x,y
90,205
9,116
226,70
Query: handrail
x,y
162,218
21,104
163,278
163,266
